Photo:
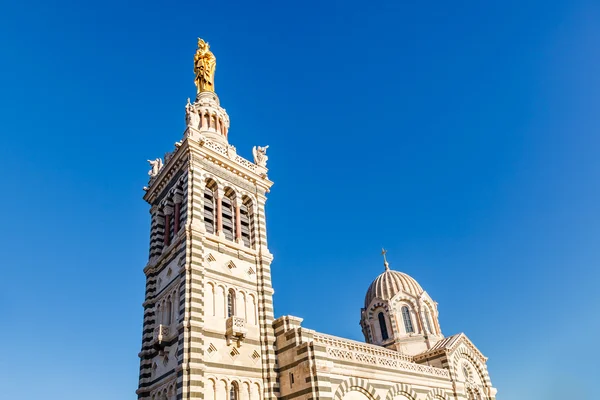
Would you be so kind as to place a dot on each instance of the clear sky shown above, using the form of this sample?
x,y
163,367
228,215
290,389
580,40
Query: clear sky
x,y
461,136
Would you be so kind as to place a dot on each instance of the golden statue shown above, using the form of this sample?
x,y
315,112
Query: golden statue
x,y
205,64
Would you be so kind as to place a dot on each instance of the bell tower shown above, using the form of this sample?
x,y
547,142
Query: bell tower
x,y
208,309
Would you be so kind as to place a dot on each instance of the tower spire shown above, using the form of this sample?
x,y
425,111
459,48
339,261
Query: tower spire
x,y
385,263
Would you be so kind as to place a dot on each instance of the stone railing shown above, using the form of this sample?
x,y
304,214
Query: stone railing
x,y
242,161
362,353
230,153
216,147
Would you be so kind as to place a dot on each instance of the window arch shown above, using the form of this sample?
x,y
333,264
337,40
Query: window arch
x,y
234,391
408,325
168,311
247,222
227,214
209,206
383,326
230,303
169,221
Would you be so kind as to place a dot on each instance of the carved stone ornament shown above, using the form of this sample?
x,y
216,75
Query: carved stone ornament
x,y
156,165
231,152
260,155
192,118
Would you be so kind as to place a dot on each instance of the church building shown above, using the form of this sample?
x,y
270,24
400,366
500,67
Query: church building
x,y
209,329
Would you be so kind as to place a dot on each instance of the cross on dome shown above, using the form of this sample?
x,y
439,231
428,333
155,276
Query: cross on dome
x,y
385,263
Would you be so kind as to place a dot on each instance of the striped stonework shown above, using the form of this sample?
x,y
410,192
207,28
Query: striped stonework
x,y
358,384
437,394
208,309
209,330
401,388
314,365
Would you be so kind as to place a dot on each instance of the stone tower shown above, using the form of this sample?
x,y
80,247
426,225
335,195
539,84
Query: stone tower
x,y
208,309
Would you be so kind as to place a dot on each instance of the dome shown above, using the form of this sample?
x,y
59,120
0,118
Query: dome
x,y
388,284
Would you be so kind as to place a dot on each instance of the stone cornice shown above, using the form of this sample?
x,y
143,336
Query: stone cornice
x,y
175,162
227,158
454,344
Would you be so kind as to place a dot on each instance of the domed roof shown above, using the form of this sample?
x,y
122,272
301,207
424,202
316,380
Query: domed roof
x,y
390,283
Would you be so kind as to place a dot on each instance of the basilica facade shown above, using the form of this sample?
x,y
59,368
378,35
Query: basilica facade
x,y
209,330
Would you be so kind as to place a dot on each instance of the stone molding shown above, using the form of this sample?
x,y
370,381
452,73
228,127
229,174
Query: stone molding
x,y
358,384
373,355
401,388
437,394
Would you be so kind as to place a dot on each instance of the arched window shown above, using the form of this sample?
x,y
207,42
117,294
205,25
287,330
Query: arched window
x,y
171,227
209,206
382,326
168,312
158,313
246,223
230,303
408,326
234,391
227,215
428,320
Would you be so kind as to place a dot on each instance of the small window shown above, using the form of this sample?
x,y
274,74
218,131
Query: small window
x,y
408,325
168,312
233,391
231,303
383,327
246,222
465,370
291,379
228,215
209,206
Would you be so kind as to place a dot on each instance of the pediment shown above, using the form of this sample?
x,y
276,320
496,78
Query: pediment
x,y
454,344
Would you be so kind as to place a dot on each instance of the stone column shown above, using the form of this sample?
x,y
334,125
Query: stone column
x,y
425,328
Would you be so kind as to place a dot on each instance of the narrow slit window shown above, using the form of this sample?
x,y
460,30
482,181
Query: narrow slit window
x,y
233,391
227,216
230,303
408,325
245,224
209,207
383,326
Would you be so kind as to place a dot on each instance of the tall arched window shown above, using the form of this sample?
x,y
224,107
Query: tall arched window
x,y
246,223
382,326
230,303
227,215
171,232
168,312
428,320
234,391
209,206
408,326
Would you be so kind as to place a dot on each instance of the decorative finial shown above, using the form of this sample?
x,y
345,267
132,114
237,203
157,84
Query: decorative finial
x,y
205,64
385,263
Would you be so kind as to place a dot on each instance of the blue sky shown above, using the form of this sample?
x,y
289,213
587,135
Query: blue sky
x,y
463,137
